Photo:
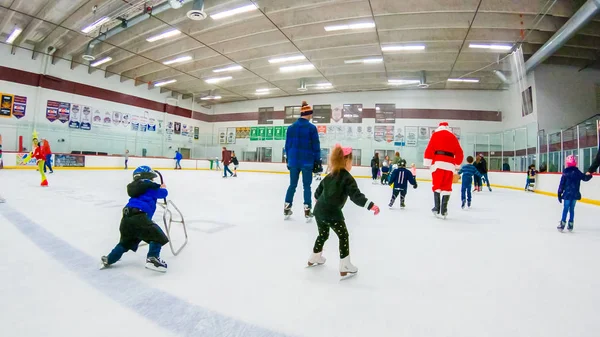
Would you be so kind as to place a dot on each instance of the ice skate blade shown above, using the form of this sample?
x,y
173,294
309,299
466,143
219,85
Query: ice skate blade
x,y
346,275
311,265
560,230
309,219
103,266
157,269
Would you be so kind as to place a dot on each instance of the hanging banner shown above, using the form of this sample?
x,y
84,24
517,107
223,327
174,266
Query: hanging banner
x,y
107,121
456,132
1,163
125,120
116,118
75,118
151,124
379,133
278,133
370,132
222,134
350,132
184,130
411,136
254,133
269,133
196,132
86,118
337,114
231,135
359,132
19,106
177,128
322,130
242,133
389,133
135,123
97,118
52,110
423,133
144,122
159,129
262,133
64,111
6,105
399,137
169,129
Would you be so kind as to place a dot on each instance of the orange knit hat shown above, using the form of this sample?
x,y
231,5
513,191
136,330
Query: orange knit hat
x,y
306,109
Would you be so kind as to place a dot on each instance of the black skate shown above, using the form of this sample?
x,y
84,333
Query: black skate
x,y
469,204
287,211
445,200
464,202
570,226
561,226
104,263
436,208
307,213
402,204
156,264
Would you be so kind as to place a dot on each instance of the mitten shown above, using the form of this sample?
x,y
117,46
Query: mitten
x,y
415,185
375,209
560,199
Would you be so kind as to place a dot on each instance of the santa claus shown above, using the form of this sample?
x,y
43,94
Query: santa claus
x,y
443,156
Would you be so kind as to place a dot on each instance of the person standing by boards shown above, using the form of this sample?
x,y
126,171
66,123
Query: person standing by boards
x,y
235,163
126,158
47,156
303,150
178,157
226,159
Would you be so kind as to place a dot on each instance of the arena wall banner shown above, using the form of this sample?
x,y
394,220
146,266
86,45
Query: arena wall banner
x,y
64,112
411,136
75,118
231,132
196,132
6,105
67,160
86,118
52,110
24,159
19,107
1,163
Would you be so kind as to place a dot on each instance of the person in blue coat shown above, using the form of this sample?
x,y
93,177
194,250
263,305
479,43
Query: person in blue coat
x,y
178,158
303,150
400,179
568,191
137,225
468,172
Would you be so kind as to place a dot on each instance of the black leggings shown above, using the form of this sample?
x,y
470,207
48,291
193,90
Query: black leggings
x,y
395,195
374,172
339,227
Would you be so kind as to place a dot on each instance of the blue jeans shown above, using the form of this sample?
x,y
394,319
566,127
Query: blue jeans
x,y
306,181
177,163
465,191
117,252
48,163
225,170
487,180
568,207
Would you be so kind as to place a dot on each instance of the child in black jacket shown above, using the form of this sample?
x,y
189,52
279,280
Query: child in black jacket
x,y
400,179
331,195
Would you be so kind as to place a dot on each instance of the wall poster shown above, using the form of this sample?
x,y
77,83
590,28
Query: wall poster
x,y
456,132
97,118
322,130
107,121
231,132
423,133
125,120
6,106
196,132
116,118
184,130
384,133
135,122
222,136
86,118
177,128
52,110
75,118
411,136
64,111
242,133
431,131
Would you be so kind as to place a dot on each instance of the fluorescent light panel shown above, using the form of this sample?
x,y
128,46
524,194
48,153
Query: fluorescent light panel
x,y
230,68
403,47
13,36
464,80
100,62
217,79
365,61
95,25
490,46
403,82
233,12
263,90
299,67
362,25
206,98
160,84
167,34
324,86
288,59
259,93
178,60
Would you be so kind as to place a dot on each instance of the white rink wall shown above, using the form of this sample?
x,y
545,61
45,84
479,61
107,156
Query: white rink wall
x,y
547,183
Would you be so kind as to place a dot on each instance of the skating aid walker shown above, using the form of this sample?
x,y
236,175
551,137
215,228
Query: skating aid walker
x,y
168,220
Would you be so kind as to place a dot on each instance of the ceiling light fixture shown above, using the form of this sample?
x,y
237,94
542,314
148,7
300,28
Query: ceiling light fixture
x,y
404,47
233,12
464,80
263,90
160,84
299,67
363,25
178,60
403,82
167,34
230,68
365,61
100,62
13,36
288,59
206,98
324,86
217,79
95,25
490,46
259,93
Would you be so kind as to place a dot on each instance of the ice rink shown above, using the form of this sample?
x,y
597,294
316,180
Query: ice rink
x,y
499,269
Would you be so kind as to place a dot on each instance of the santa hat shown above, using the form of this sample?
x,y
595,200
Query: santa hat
x,y
306,109
442,126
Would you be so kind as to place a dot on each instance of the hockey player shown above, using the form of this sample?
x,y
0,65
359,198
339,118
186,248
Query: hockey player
x,y
468,171
399,181
442,155
136,223
331,195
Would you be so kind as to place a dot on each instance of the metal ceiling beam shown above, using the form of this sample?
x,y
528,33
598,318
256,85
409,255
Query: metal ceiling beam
x,y
35,23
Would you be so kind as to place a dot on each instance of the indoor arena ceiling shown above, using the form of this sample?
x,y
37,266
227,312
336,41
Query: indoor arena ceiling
x,y
276,29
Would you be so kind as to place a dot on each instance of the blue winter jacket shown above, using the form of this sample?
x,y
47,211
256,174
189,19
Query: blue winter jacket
x,y
144,194
401,177
568,189
468,171
178,156
302,144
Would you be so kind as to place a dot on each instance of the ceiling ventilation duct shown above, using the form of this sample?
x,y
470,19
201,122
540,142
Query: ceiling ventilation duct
x,y
197,12
423,80
302,87
501,76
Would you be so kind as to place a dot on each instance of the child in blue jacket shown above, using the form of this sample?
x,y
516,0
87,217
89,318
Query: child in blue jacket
x,y
568,191
136,223
468,171
178,157
400,179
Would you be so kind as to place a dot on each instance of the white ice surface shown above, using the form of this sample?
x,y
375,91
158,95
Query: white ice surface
x,y
499,269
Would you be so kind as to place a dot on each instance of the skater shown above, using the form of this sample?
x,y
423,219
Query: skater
x,y
468,172
375,167
177,158
385,170
226,159
568,191
217,165
531,173
413,170
303,149
483,169
136,223
331,195
477,183
47,156
595,164
235,163
39,155
442,155
399,181
126,158
318,170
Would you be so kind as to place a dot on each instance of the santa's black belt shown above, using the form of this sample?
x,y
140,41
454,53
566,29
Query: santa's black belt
x,y
444,153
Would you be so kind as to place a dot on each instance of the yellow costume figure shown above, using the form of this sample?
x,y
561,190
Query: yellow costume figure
x,y
38,153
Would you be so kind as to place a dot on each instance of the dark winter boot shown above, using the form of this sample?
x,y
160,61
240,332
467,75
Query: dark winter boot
x,y
561,226
445,200
436,202
287,210
402,204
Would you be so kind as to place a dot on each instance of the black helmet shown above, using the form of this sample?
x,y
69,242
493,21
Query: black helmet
x,y
402,163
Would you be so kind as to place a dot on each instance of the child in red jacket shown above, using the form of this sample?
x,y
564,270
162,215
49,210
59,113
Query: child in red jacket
x,y
38,154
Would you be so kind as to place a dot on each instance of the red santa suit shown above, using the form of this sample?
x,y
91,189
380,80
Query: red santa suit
x,y
443,156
